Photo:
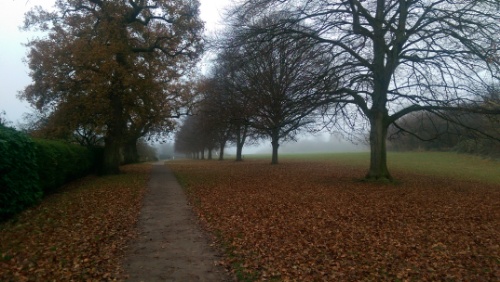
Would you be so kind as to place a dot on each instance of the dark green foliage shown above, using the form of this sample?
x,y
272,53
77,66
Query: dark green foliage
x,y
60,162
483,147
19,185
29,169
98,157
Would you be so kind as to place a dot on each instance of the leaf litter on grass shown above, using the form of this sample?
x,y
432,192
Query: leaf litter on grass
x,y
77,234
313,221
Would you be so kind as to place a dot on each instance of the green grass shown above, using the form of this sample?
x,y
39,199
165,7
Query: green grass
x,y
442,164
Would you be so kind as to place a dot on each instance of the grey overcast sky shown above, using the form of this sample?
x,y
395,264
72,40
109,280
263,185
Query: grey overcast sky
x,y
14,72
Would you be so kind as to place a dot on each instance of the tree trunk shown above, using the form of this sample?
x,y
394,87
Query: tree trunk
x,y
114,137
111,158
275,144
378,114
378,151
221,150
239,151
130,154
202,154
210,153
240,141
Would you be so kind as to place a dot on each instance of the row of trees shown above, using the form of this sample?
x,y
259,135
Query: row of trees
x,y
119,69
113,70
218,119
361,64
259,87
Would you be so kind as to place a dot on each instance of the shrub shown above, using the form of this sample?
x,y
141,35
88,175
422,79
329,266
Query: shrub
x,y
29,169
483,147
60,162
19,186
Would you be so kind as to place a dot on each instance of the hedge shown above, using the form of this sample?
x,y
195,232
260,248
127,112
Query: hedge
x,y
60,162
19,182
30,168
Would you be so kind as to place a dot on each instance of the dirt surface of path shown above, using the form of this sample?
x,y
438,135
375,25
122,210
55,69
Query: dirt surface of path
x,y
171,245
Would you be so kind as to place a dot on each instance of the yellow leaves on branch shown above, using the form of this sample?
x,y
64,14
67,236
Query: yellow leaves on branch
x,y
312,221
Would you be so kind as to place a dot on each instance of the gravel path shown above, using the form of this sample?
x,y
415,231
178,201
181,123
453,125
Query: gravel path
x,y
171,246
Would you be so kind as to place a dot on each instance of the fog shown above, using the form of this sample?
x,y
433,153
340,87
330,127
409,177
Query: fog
x,y
323,143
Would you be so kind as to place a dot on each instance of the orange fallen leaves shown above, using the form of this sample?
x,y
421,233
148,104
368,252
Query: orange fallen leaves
x,y
78,234
312,221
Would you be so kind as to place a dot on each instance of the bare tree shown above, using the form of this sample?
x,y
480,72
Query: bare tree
x,y
394,57
215,113
187,139
229,91
284,80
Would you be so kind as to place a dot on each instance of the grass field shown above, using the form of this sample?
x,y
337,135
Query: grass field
x,y
440,164
311,219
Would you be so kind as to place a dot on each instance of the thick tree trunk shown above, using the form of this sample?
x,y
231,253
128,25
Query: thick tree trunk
x,y
202,154
111,158
378,114
275,144
274,159
114,137
130,154
239,152
210,153
378,151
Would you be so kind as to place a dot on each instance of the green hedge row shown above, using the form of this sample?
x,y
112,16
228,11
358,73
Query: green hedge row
x,y
60,162
30,168
19,182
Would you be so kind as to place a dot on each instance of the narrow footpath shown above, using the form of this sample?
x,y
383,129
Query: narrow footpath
x,y
171,245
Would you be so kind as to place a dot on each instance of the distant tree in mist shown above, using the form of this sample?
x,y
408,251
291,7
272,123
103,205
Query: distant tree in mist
x,y
281,80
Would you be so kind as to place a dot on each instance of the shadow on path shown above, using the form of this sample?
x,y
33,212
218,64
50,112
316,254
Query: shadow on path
x,y
171,245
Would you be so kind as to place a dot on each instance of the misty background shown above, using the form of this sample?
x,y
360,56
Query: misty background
x,y
305,144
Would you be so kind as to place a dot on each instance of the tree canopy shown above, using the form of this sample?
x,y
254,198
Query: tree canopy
x,y
274,82
112,64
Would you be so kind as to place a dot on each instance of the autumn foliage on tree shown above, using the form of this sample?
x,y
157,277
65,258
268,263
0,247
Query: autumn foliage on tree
x,y
112,65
